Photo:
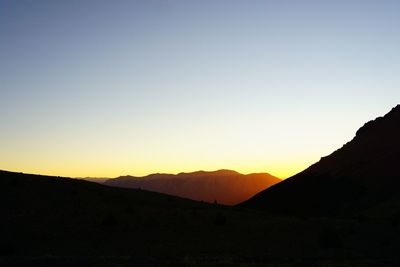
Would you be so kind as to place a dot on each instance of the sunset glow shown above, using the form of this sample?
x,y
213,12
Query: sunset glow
x,y
89,88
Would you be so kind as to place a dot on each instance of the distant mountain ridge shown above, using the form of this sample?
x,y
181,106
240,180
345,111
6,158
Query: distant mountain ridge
x,y
99,180
224,186
355,178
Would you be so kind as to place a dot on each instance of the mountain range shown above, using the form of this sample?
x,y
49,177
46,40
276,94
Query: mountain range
x,y
223,186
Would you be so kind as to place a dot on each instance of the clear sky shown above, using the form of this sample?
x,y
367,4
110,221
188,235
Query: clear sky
x,y
108,88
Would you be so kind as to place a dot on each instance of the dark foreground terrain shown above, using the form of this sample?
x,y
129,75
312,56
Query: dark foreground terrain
x,y
52,221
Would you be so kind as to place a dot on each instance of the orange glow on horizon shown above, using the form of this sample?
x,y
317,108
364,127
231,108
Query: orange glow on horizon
x,y
104,172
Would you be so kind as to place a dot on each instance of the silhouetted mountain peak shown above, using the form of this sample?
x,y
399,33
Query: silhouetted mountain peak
x,y
226,172
387,124
361,174
222,172
396,109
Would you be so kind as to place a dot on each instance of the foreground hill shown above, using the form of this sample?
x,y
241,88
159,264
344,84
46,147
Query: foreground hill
x,y
357,178
224,186
52,221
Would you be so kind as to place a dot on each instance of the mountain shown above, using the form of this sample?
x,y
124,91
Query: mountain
x,y
47,220
224,186
94,179
358,177
55,221
25,195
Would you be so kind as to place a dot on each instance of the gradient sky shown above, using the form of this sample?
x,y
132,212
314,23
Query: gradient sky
x,y
108,88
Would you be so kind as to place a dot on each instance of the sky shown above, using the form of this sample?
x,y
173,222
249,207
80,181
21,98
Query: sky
x,y
109,88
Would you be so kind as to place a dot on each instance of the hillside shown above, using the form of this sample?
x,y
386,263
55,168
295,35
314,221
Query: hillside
x,y
99,180
224,186
355,178
53,221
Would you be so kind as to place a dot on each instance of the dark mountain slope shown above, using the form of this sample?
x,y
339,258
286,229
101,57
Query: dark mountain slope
x,y
43,215
361,174
224,186
51,221
22,191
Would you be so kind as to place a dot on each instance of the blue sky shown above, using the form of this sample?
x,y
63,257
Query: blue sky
x,y
103,88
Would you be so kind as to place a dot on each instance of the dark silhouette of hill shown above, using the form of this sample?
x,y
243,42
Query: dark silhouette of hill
x,y
54,221
224,186
361,175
